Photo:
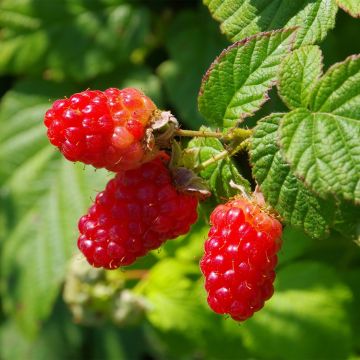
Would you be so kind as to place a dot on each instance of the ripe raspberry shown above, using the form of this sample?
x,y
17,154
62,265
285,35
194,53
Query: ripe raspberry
x,y
137,212
240,258
102,128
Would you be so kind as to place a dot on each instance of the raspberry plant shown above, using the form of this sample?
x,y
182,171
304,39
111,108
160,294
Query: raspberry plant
x,y
253,128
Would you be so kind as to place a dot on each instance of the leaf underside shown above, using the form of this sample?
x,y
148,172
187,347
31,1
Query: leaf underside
x,y
352,7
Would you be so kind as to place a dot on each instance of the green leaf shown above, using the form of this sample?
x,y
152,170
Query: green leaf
x,y
173,296
73,39
22,132
187,247
219,174
190,33
36,252
37,189
337,91
352,7
324,150
236,84
309,299
323,145
181,316
282,190
242,18
208,341
299,73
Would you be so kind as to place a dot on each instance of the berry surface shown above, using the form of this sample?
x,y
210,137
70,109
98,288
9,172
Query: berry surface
x,y
240,258
136,213
102,128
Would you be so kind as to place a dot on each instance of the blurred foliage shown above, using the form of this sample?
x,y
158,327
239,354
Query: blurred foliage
x,y
50,49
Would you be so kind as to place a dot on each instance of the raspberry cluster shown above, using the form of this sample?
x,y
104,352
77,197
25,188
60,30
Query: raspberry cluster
x,y
141,208
240,258
136,213
102,128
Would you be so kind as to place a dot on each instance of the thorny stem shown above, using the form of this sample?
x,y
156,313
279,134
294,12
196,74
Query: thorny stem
x,y
222,155
199,133
238,134
240,147
235,134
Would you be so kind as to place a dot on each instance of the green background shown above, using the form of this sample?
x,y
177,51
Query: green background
x,y
51,49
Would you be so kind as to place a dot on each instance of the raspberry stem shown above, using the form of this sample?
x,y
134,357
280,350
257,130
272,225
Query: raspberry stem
x,y
237,134
222,155
199,133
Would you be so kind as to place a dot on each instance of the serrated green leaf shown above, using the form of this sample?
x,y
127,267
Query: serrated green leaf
x,y
219,174
309,299
241,18
190,33
282,190
338,91
299,73
352,7
236,84
324,150
73,39
323,145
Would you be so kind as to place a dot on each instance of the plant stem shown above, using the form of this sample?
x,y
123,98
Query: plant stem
x,y
237,134
243,145
222,155
199,133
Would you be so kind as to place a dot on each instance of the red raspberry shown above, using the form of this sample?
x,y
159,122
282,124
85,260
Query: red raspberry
x,y
240,258
136,213
102,128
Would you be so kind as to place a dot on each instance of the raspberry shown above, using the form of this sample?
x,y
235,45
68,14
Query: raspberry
x,y
240,258
102,128
136,213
